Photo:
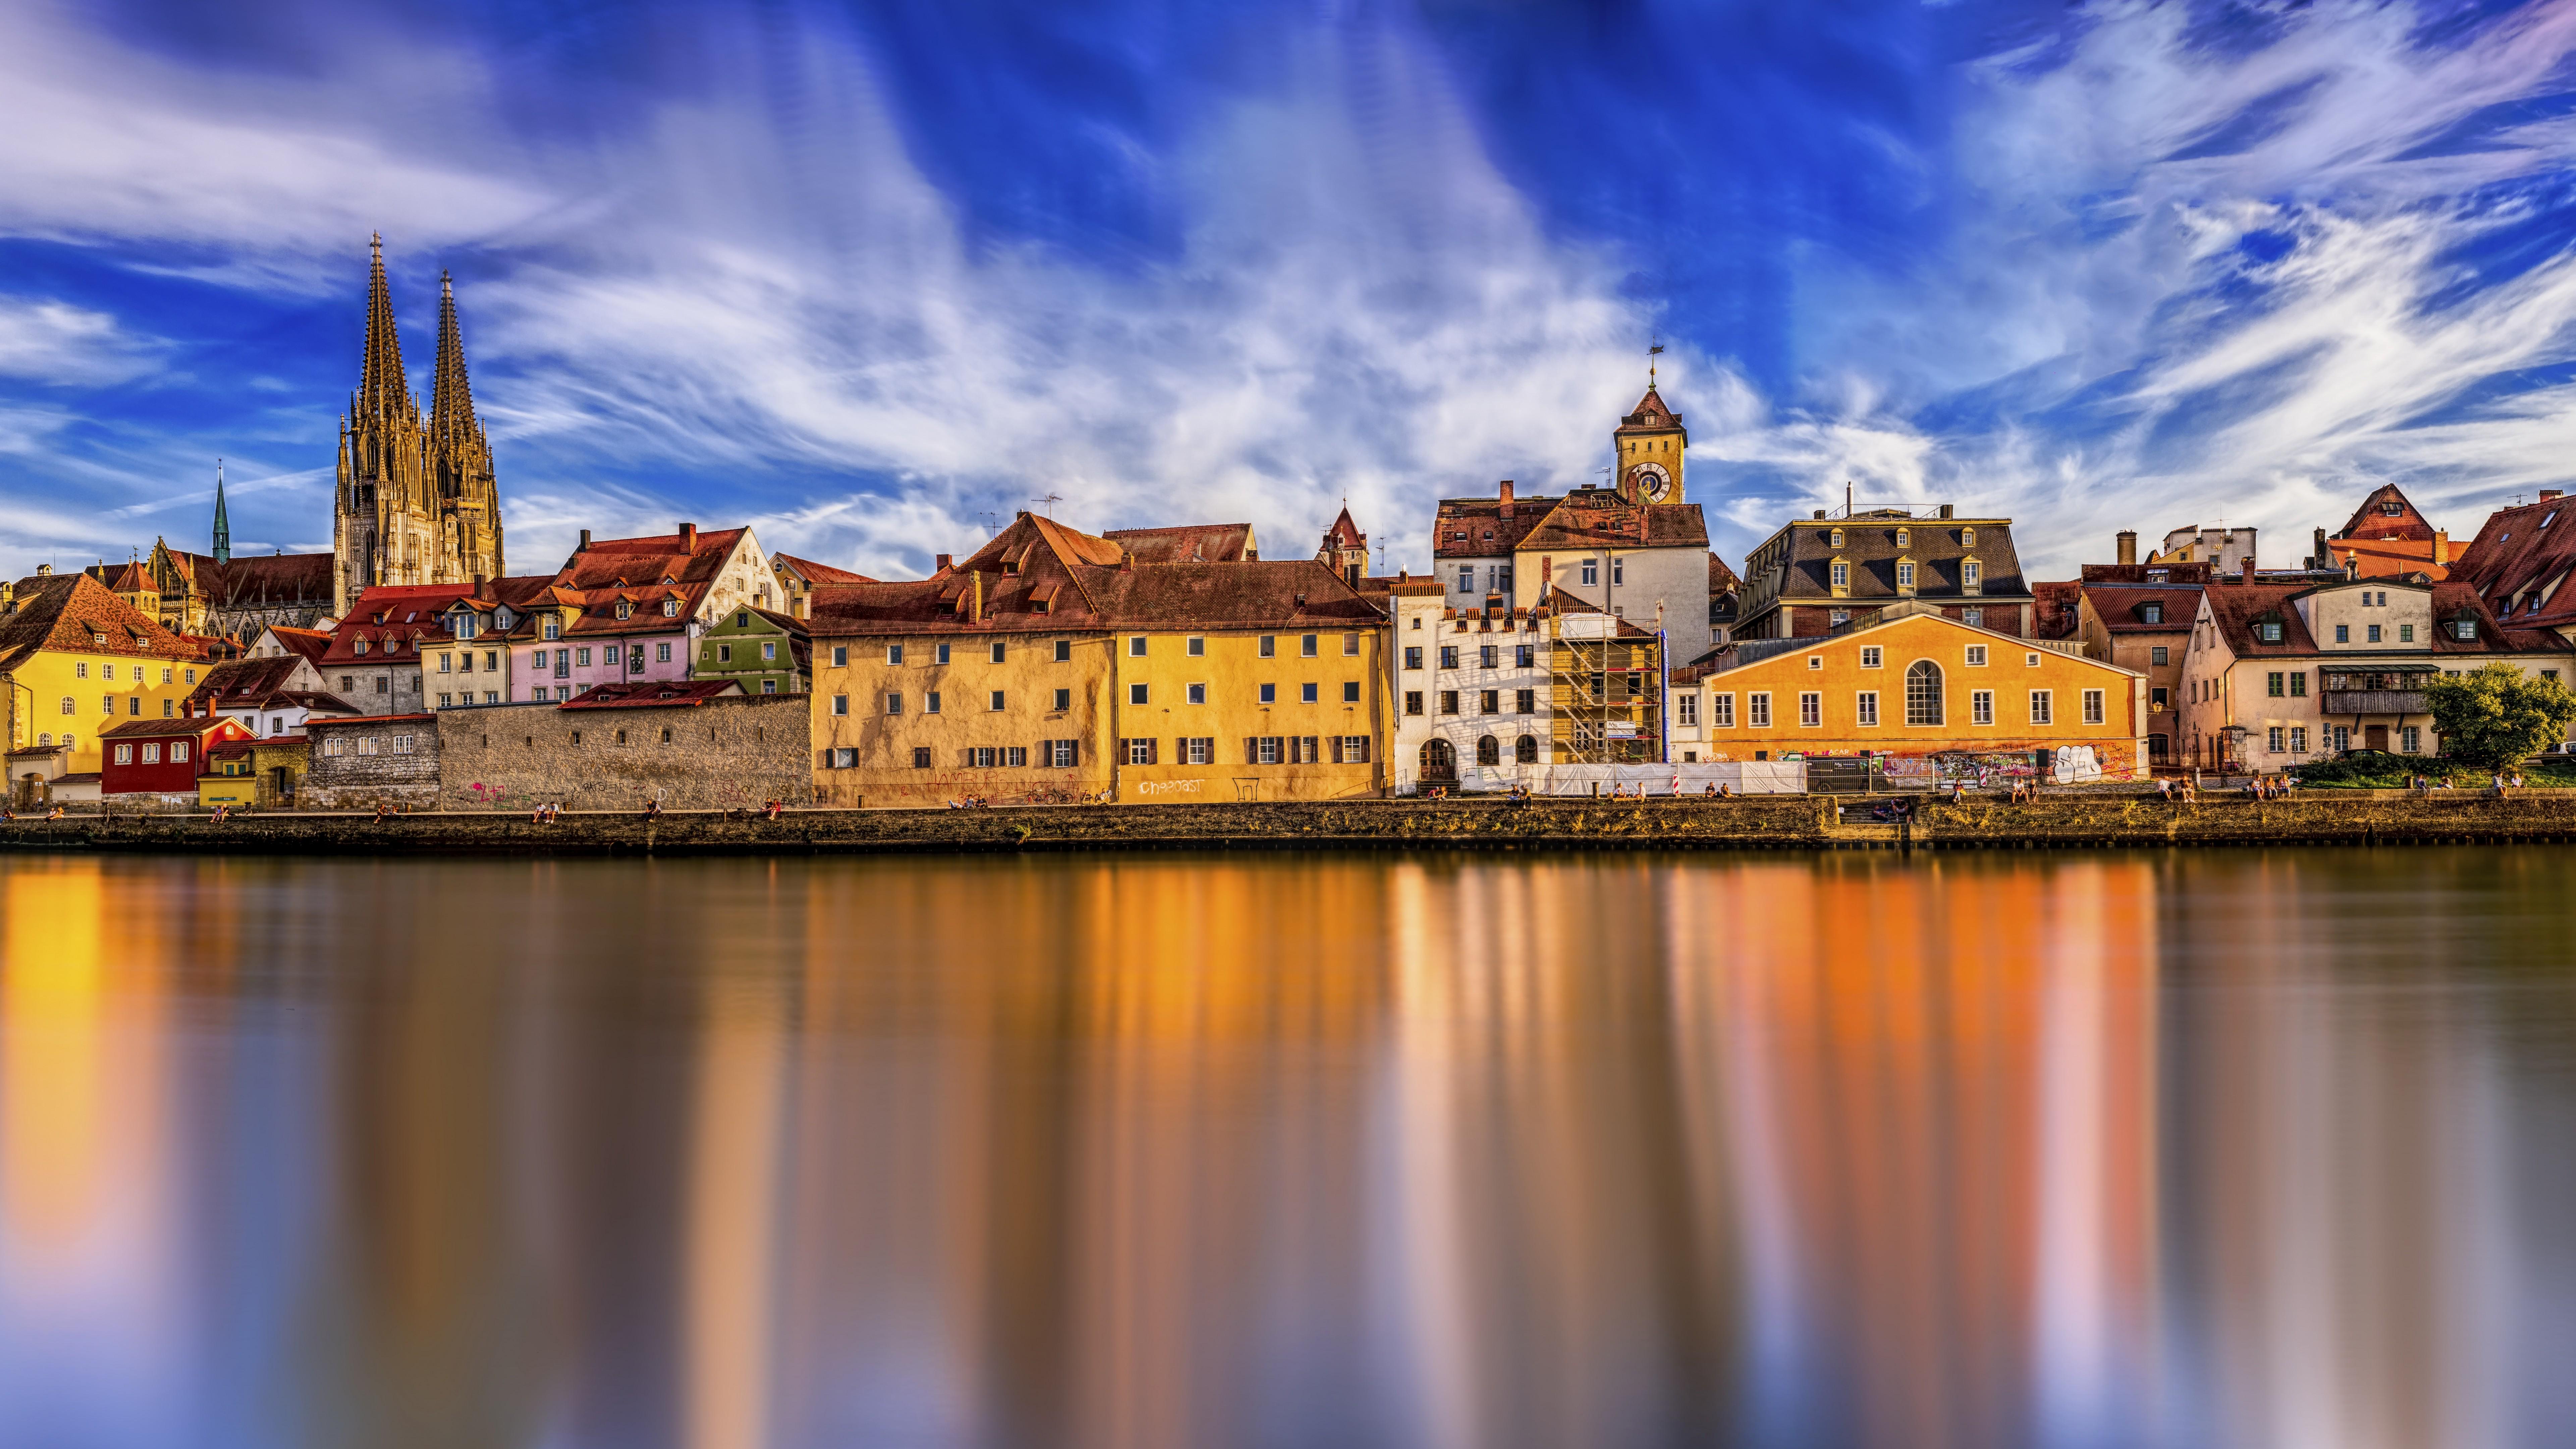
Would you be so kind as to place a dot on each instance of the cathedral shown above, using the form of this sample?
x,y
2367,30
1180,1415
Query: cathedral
x,y
417,502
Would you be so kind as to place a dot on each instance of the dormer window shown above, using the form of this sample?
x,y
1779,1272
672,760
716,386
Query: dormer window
x,y
2465,627
1972,576
670,608
1905,576
1967,538
1905,538
625,610
97,638
1840,572
1835,539
359,647
2151,613
2268,630
554,627
501,618
2158,576
464,628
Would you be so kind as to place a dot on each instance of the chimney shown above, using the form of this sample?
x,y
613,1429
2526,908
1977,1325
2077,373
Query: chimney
x,y
2245,571
2127,545
1507,498
2325,556
1820,513
978,615
944,560
2552,495
1126,557
481,590
1949,511
688,538
1546,576
805,605
2442,546
585,541
44,571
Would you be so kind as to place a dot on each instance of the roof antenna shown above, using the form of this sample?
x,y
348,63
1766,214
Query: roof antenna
x,y
1050,498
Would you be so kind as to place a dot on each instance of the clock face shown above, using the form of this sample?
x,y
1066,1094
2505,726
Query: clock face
x,y
1651,482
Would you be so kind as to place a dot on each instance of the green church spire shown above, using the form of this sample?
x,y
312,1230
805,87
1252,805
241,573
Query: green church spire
x,y
223,525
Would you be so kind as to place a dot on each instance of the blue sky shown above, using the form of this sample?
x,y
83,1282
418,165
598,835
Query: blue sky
x,y
863,275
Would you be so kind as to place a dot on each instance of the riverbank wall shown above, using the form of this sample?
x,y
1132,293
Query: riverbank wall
x,y
1760,823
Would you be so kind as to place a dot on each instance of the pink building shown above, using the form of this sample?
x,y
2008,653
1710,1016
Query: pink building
x,y
583,637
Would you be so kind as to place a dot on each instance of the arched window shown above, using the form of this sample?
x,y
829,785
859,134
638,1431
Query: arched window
x,y
1489,751
1525,750
68,706
46,739
1923,693
1439,761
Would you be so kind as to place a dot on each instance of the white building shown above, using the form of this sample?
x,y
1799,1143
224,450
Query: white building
x,y
1471,686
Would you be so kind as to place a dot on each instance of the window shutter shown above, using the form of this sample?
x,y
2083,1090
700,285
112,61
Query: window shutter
x,y
1337,749
1251,751
1154,752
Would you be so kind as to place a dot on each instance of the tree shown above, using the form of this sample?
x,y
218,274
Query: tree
x,y
2496,716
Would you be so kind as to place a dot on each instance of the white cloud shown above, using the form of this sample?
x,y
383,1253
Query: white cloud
x,y
56,344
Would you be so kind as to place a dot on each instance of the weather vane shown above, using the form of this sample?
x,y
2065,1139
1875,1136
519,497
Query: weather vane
x,y
1653,352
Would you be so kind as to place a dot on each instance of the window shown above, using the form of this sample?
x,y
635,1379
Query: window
x,y
724,655
2269,631
1136,646
2343,633
840,703
1489,751
1061,754
1063,699
1448,656
1489,701
1905,538
1306,646
1870,656
2275,739
920,756
1865,708
1138,752
2042,707
2410,740
2405,633
1618,571
1139,694
1265,750
999,652
554,628
2158,699
1592,571
2093,706
2371,633
1523,656
2465,629
2030,660
1923,693
1487,656
1524,701
1466,578
1350,691
1448,700
1194,693
894,703
2272,685
1306,693
447,701
1269,647
661,653
1413,654
1413,701
1815,661
1834,538
125,754
1721,711
1842,574
1905,575
152,754
894,654
930,702
447,663
1686,708
1064,651
1350,646
1757,711
2298,739
2159,655
1976,656
1270,694
1981,706
2299,685
2151,612
1811,710
670,610
1968,575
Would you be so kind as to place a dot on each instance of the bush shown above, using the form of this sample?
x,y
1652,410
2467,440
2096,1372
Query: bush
x,y
2495,716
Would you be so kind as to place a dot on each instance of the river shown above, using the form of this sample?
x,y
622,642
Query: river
x,y
2261,1149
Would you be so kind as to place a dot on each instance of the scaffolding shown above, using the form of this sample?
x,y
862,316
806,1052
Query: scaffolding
x,y
1605,693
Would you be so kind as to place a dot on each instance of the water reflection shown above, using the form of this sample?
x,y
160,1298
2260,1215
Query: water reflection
x,y
2258,1150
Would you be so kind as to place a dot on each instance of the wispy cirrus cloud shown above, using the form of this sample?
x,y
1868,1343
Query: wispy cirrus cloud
x,y
2124,265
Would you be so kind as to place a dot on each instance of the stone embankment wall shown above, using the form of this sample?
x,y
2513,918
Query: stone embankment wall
x,y
1774,823
730,753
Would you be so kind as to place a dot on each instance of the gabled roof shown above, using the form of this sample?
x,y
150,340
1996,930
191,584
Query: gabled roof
x,y
1869,545
74,613
814,573
1190,542
1748,653
1344,533
310,643
675,694
1650,415
2122,607
2520,552
248,581
2235,608
167,729
1721,579
1604,518
2372,520
622,562
242,683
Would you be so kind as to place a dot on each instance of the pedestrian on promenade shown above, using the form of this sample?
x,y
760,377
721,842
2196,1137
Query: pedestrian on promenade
x,y
381,812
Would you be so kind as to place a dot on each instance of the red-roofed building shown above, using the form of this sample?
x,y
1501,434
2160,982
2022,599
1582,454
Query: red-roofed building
x,y
75,659
2387,537
2278,674
798,576
2520,563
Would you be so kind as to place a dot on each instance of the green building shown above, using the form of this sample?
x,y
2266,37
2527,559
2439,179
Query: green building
x,y
764,651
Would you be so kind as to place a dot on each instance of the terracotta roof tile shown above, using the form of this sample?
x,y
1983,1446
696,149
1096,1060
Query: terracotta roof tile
x,y
673,694
75,613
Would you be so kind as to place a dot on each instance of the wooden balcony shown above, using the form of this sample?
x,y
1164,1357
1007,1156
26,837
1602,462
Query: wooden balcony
x,y
2374,701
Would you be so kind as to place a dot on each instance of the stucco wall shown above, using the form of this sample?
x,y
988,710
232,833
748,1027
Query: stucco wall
x,y
719,754
850,713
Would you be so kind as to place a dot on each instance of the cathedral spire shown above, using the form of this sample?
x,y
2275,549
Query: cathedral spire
x,y
223,547
382,389
451,398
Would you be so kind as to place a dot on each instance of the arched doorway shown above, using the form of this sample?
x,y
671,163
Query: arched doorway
x,y
1489,751
1923,693
1525,750
1439,763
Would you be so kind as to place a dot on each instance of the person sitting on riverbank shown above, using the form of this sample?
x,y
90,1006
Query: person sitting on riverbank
x,y
381,812
777,808
55,814
652,809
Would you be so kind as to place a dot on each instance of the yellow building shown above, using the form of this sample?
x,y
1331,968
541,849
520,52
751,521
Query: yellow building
x,y
1940,698
75,659
1053,666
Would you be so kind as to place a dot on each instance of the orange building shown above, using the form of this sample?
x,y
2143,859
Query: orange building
x,y
1938,696
2387,537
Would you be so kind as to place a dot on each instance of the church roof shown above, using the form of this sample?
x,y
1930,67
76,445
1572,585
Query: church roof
x,y
382,387
285,578
451,397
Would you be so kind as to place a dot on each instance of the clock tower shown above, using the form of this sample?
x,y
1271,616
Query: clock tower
x,y
1648,447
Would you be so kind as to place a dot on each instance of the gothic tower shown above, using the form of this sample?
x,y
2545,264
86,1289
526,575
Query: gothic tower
x,y
223,541
417,502
1648,447
460,460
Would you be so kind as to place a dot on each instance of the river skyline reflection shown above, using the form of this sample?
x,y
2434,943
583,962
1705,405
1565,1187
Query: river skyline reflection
x,y
2263,1149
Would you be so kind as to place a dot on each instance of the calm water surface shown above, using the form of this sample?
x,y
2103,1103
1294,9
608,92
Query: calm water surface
x,y
2233,1149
